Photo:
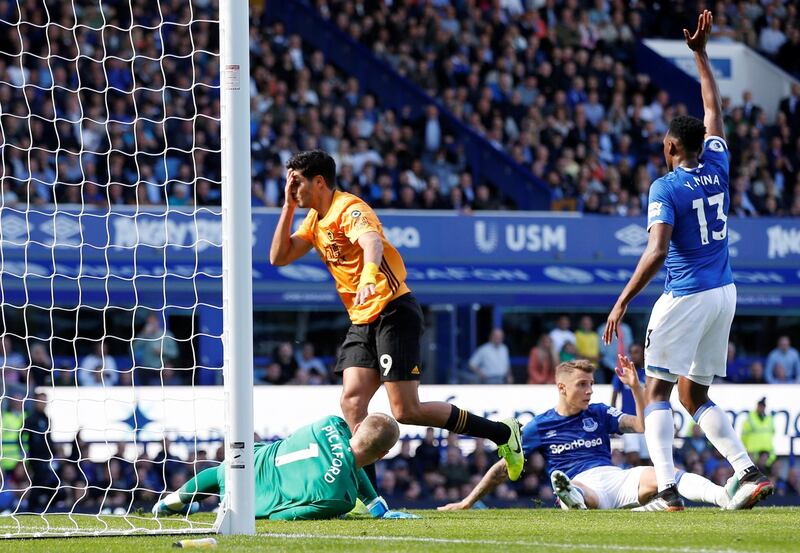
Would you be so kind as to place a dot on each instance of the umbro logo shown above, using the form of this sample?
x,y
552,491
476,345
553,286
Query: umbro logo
x,y
634,237
551,434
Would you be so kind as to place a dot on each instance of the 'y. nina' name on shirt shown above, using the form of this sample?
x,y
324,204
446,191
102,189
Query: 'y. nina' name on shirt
x,y
702,180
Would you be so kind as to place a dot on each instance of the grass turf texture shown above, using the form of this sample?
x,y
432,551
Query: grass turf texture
x,y
694,530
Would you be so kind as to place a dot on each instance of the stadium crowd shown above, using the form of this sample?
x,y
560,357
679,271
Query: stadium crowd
x,y
552,84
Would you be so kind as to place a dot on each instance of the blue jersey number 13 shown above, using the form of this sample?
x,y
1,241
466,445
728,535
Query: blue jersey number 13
x,y
718,200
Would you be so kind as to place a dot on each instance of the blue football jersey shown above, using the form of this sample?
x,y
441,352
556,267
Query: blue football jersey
x,y
695,202
573,444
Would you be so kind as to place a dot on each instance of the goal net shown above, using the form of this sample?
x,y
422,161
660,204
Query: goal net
x,y
110,263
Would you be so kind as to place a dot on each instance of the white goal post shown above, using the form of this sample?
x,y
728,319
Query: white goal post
x,y
125,265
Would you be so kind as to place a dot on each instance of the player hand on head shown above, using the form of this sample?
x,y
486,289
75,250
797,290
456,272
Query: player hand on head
x,y
697,42
626,371
291,189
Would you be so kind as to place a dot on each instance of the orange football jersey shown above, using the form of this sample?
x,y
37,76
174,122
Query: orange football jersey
x,y
335,237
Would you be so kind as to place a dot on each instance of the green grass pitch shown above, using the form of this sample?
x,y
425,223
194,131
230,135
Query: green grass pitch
x,y
513,530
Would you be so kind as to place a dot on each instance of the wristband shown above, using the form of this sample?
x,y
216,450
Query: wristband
x,y
368,275
377,507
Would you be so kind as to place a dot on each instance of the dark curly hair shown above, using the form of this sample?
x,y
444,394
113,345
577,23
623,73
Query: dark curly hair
x,y
313,163
689,131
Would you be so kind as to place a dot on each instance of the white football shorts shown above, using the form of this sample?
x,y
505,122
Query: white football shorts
x,y
616,488
688,335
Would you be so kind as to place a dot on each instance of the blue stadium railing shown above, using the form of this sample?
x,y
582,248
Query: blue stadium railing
x,y
395,92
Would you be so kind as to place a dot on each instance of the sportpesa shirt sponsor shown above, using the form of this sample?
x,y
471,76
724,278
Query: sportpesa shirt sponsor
x,y
573,444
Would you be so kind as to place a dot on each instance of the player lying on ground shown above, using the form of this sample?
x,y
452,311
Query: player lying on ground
x,y
687,336
315,473
575,441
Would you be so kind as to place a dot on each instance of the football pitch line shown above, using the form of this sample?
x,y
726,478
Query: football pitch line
x,y
513,543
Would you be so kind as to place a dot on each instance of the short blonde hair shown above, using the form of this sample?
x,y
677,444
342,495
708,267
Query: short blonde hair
x,y
378,433
568,367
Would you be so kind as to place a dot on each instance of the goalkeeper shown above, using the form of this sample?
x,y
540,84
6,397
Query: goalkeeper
x,y
315,473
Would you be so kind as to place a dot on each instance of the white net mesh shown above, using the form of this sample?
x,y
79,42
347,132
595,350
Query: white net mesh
x,y
110,261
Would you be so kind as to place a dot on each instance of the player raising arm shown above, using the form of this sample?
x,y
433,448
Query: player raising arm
x,y
687,336
382,345
575,438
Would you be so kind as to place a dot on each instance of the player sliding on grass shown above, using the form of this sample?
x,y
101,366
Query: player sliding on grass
x,y
383,342
575,441
687,336
315,473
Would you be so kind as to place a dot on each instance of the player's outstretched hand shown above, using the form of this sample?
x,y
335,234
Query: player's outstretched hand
x,y
697,42
613,322
626,371
457,506
399,515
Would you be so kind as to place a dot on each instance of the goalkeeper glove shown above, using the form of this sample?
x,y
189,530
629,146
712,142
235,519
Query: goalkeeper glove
x,y
399,515
379,509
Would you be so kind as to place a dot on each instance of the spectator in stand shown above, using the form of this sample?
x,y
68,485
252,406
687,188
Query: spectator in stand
x,y
755,373
779,375
490,363
272,375
758,432
152,347
561,334
284,357
737,369
41,371
772,37
311,365
783,363
587,343
427,455
98,368
455,470
14,365
40,452
541,364
568,353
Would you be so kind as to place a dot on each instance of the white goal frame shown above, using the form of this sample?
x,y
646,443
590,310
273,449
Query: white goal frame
x,y
236,513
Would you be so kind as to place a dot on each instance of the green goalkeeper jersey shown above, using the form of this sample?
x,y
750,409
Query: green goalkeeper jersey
x,y
310,475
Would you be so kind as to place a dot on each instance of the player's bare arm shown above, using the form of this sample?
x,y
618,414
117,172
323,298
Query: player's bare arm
x,y
493,478
286,248
371,243
712,101
628,376
650,263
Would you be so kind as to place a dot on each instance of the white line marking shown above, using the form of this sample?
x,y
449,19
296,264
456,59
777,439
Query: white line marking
x,y
520,543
